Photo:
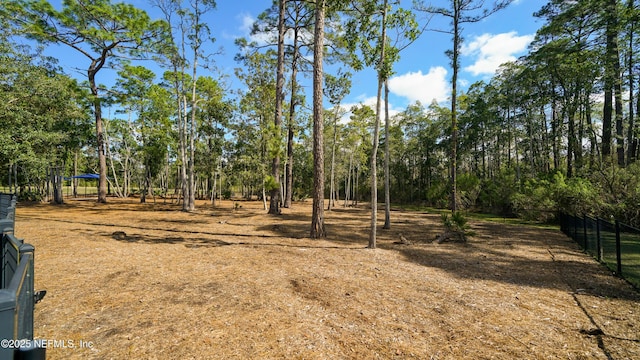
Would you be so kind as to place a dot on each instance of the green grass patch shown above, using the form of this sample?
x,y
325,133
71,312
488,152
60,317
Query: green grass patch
x,y
481,216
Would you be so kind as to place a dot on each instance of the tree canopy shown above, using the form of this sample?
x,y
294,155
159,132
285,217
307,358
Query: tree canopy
x,y
555,130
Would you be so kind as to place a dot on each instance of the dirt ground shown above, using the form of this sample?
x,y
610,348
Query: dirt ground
x,y
146,281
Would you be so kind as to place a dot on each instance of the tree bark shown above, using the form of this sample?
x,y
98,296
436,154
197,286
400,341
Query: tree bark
x,y
610,81
347,182
376,136
274,201
332,196
617,93
292,112
635,146
317,217
191,185
182,123
102,156
556,133
454,120
289,166
631,128
387,185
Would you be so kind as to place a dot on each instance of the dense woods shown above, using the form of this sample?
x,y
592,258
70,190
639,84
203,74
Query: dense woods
x,y
555,130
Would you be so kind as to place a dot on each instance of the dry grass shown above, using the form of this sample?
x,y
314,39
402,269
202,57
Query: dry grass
x,y
151,282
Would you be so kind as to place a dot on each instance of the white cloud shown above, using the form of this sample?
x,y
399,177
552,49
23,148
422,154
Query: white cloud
x,y
247,23
246,27
368,101
425,88
493,50
265,38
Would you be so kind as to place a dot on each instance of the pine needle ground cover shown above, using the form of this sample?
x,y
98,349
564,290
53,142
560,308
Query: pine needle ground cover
x,y
147,281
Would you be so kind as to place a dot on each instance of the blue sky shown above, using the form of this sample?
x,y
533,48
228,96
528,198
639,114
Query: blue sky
x,y
423,72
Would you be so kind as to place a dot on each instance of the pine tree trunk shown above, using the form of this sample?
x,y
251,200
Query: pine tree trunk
x,y
556,133
102,154
631,156
191,185
183,156
617,90
454,120
317,217
292,111
289,167
609,76
332,196
376,136
274,201
347,182
113,169
635,145
387,191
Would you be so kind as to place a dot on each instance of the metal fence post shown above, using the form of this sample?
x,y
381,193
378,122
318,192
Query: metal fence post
x,y
584,232
598,243
25,298
618,251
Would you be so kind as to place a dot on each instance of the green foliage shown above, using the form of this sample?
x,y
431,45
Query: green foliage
x,y
270,183
576,195
541,199
468,190
337,87
438,194
535,201
30,195
303,162
456,223
274,139
530,120
100,22
496,193
363,30
619,193
226,194
42,115
614,192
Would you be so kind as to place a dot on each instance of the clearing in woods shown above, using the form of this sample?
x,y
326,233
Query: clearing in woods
x,y
147,281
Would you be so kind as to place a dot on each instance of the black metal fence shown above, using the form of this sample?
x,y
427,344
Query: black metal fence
x,y
17,295
7,213
615,244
